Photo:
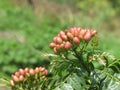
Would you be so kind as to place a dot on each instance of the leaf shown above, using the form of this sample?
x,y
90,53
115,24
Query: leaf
x,y
112,84
73,82
115,65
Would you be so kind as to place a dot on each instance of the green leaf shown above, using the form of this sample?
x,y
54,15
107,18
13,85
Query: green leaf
x,y
112,84
73,82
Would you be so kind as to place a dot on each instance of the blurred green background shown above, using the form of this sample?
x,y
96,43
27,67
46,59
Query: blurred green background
x,y
28,26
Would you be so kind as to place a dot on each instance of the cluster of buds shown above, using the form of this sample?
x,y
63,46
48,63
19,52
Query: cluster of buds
x,y
24,75
67,39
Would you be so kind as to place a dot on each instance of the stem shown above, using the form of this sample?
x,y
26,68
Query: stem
x,y
79,56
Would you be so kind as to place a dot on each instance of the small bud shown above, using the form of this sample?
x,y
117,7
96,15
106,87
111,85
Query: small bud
x,y
17,74
64,37
27,74
76,40
45,71
37,70
67,45
12,83
69,35
55,39
26,70
62,46
58,40
15,78
87,36
93,32
55,50
21,71
42,69
76,32
58,47
62,33
21,78
32,72
52,45
82,33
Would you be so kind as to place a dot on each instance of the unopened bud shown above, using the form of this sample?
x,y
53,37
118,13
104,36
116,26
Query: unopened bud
x,y
32,72
87,36
15,78
21,71
52,45
12,83
76,40
21,78
67,45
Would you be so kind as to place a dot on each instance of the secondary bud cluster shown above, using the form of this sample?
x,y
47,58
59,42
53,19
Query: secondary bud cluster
x,y
70,38
24,75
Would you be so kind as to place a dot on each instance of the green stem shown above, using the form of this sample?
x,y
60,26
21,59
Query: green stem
x,y
80,58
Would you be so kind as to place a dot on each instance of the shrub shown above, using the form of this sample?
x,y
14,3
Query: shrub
x,y
77,64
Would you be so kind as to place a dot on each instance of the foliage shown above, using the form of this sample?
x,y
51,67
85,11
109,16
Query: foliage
x,y
76,65
23,36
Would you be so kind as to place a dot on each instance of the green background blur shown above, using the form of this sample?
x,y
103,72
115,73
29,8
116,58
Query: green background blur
x,y
28,26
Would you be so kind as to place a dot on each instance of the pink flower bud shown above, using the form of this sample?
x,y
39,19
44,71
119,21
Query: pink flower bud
x,y
12,83
69,35
27,74
26,70
58,40
55,39
76,40
93,32
37,70
81,33
64,37
21,71
45,71
15,78
52,45
87,36
67,45
76,32
62,46
62,33
55,50
42,69
32,72
72,31
58,47
17,74
21,78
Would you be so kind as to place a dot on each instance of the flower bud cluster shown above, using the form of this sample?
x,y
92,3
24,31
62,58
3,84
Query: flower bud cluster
x,y
67,39
24,74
